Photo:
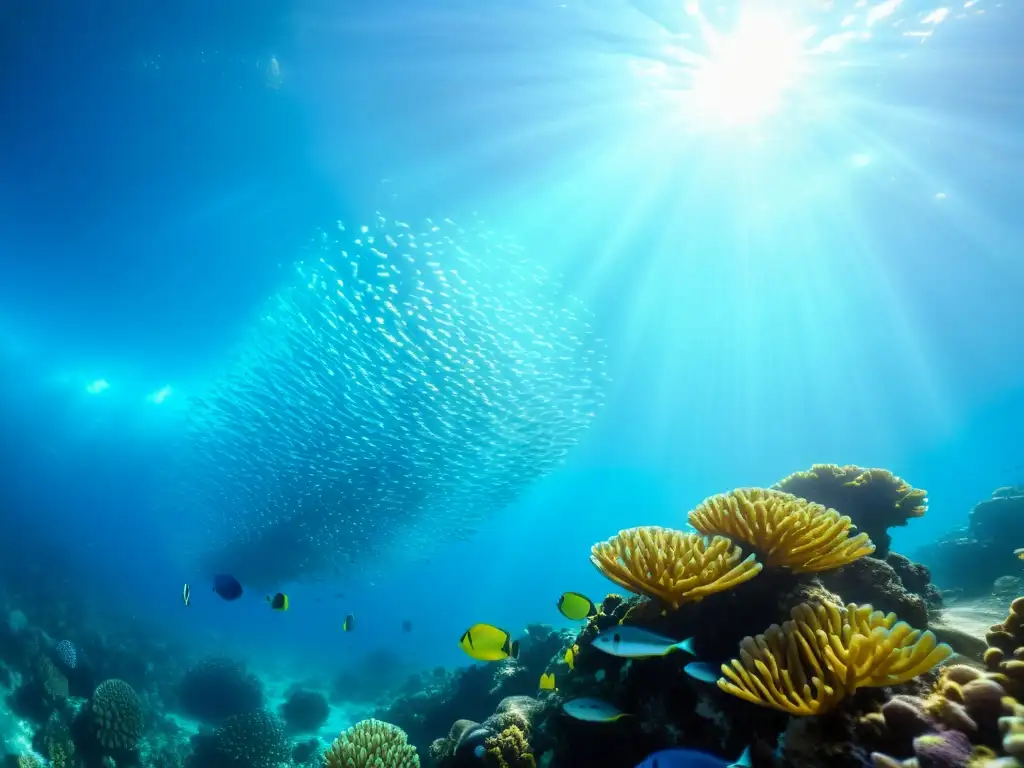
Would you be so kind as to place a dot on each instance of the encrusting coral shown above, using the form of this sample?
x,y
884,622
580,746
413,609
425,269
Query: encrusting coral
x,y
509,749
371,744
784,530
671,566
875,499
824,654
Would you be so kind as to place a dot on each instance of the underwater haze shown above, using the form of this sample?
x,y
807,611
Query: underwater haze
x,y
397,308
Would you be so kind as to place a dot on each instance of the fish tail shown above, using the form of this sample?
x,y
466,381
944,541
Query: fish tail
x,y
744,760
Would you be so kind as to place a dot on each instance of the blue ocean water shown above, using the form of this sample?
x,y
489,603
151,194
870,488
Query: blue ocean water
x,y
837,282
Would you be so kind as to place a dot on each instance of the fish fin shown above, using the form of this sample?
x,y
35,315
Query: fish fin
x,y
702,671
514,649
687,645
743,761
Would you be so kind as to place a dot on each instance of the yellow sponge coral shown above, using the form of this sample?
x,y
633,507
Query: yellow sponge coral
x,y
371,744
672,566
786,531
809,664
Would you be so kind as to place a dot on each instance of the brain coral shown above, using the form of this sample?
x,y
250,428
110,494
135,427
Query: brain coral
x,y
116,714
251,740
371,744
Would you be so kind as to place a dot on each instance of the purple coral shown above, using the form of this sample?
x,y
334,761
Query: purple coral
x,y
950,749
67,655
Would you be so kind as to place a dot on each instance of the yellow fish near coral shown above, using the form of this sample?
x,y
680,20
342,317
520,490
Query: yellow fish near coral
x,y
1019,553
575,606
570,656
547,681
278,602
485,642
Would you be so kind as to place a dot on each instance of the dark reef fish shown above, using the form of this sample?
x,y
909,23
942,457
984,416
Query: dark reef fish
x,y
404,384
227,586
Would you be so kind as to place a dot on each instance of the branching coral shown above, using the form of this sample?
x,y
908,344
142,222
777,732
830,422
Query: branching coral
x,y
371,744
784,530
809,664
509,749
874,498
671,566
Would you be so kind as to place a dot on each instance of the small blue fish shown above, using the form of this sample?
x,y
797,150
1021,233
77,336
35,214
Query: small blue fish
x,y
592,710
701,670
630,642
227,586
691,758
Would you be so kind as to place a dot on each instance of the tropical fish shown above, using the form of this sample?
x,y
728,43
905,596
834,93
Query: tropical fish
x,y
570,656
227,586
1019,553
485,642
186,595
635,643
575,606
349,624
691,758
547,681
592,710
278,602
701,670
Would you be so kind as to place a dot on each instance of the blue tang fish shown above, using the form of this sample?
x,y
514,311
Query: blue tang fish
x,y
691,758
227,586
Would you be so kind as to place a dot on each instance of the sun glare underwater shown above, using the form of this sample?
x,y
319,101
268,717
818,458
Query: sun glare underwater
x,y
501,385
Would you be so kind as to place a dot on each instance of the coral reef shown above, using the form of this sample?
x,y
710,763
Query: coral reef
x,y
973,557
218,688
803,644
874,499
371,744
251,740
305,710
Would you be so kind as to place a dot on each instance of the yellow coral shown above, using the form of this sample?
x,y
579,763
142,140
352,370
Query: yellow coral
x,y
786,531
371,744
509,749
809,664
672,566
